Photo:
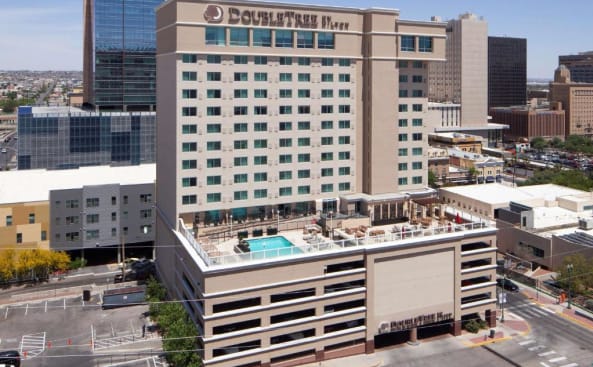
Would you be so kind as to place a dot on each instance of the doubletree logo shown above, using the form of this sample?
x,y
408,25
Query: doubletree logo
x,y
213,14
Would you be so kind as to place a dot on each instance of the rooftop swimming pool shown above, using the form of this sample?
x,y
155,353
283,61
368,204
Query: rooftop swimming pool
x,y
269,247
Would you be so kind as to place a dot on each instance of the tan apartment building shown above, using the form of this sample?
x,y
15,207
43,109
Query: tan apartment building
x,y
24,224
576,99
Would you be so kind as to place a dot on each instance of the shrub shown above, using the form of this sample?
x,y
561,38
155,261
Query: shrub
x,y
472,326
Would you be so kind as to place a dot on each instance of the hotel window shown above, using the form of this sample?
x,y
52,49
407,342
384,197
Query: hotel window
x,y
285,175
285,110
304,173
239,110
215,36
213,93
260,93
8,220
416,165
304,142
260,110
327,156
240,77
189,75
417,107
43,235
189,147
285,126
213,59
416,151
327,77
242,60
325,40
304,109
285,143
327,172
260,143
262,37
91,234
327,140
239,37
260,60
260,176
189,94
402,166
213,111
402,181
402,123
213,197
417,64
344,62
189,111
304,61
304,157
327,187
402,64
304,93
240,93
327,61
408,43
326,125
343,140
425,44
213,76
213,163
189,58
344,186
304,190
189,181
240,161
240,144
213,128
285,60
304,39
283,38
32,218
344,93
403,93
402,152
240,178
240,127
417,79
304,77
344,77
344,124
417,179
344,108
344,156
285,158
189,164
403,78
416,122
285,77
259,160
403,108
285,93
417,93
92,202
260,126
260,193
260,77
285,191
402,137
304,125
327,93
327,109
417,136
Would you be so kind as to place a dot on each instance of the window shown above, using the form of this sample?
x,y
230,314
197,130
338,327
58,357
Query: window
x,y
285,126
408,43
285,110
260,77
403,64
125,199
260,193
239,37
260,60
416,122
285,143
285,191
344,124
189,75
262,37
402,137
213,93
344,186
325,40
327,187
213,128
242,60
189,147
344,62
260,93
417,107
417,79
240,161
213,197
417,180
402,167
260,110
285,60
260,126
403,93
327,156
189,58
344,156
188,199
8,220
402,152
327,77
416,151
304,110
189,111
145,213
259,160
344,93
403,78
92,202
283,38
240,144
113,232
240,77
417,136
327,93
304,77
327,109
402,123
146,198
189,182
344,108
285,175
327,125
304,173
189,129
304,125
72,219
403,108
240,195
343,140
304,190
304,157
327,172
304,93
239,110
416,165
344,77
417,64
425,44
213,76
304,61
304,39
285,77
327,61
240,93
189,164
31,218
213,59
215,36
240,127
260,143
285,158
260,176
213,163
92,234
285,93
327,140
213,145
189,94
213,111
402,181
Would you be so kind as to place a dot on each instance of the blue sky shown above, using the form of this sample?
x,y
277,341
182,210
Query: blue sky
x,y
47,34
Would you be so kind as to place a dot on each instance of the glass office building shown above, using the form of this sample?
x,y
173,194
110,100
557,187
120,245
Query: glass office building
x,y
57,138
119,54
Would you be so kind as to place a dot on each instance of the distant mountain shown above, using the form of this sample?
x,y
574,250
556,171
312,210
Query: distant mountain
x,y
538,80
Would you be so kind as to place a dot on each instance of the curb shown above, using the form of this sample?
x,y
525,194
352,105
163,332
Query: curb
x,y
574,320
489,341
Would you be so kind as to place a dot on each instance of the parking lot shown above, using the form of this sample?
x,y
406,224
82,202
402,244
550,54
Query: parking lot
x,y
70,331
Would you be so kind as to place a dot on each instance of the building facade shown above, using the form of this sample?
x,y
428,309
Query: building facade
x,y
576,99
580,66
57,138
24,224
507,71
527,122
119,54
463,78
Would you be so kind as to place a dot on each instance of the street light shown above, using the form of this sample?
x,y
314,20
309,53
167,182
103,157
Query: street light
x,y
569,269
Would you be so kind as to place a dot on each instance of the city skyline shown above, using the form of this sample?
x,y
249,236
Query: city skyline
x,y
48,36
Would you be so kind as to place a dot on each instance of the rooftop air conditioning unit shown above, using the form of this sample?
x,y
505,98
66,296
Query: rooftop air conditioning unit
x,y
586,224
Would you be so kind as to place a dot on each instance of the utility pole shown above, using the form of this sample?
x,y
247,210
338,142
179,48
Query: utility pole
x,y
123,257
569,269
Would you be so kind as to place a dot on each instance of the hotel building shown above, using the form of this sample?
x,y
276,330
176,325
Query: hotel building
x,y
281,109
576,99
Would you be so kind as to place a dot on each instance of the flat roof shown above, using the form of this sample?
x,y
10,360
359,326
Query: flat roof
x,y
35,185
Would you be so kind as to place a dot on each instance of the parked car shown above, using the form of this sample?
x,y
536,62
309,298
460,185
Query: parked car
x,y
507,285
10,358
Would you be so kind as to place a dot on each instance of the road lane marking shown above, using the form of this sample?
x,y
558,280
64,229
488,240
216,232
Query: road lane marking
x,y
26,309
6,313
570,365
548,310
538,347
543,364
546,353
554,360
515,316
45,306
526,342
64,303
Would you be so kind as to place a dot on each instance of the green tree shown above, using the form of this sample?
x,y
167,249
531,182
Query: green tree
x,y
557,143
472,173
580,277
432,178
570,178
538,143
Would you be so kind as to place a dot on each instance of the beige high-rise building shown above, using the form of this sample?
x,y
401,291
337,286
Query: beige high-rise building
x,y
577,101
268,112
463,78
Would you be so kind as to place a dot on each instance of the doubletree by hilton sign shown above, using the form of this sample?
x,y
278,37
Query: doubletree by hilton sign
x,y
288,18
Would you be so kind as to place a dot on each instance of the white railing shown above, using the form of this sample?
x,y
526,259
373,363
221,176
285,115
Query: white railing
x,y
192,241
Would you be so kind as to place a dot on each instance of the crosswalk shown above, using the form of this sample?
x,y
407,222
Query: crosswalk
x,y
32,345
547,356
529,311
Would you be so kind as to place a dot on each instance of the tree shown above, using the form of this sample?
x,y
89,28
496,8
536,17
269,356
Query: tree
x,y
570,178
472,173
31,262
538,143
580,277
7,268
432,178
557,143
